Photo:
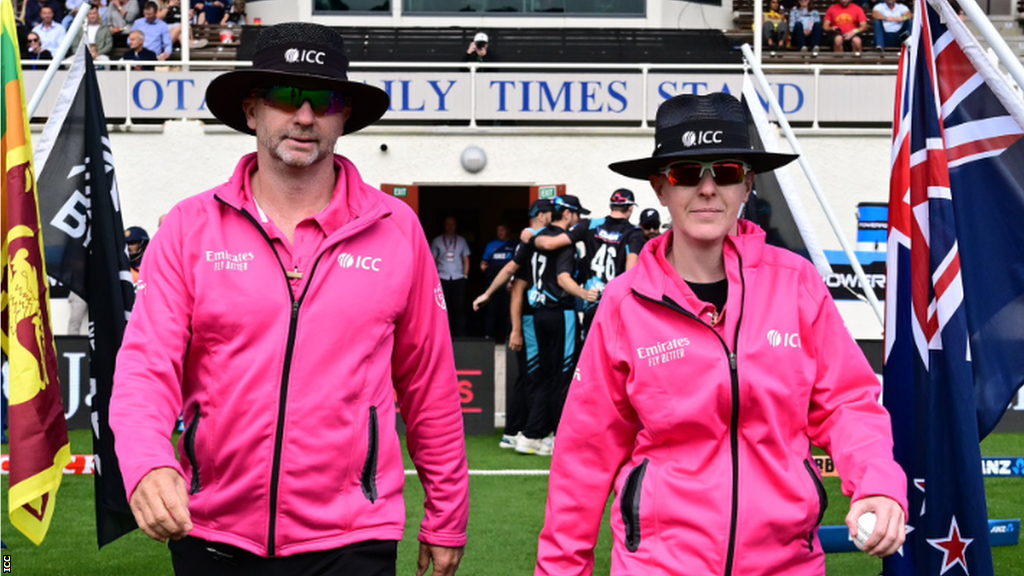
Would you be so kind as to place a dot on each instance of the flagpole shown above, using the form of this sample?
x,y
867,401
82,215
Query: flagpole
x,y
758,24
995,40
51,70
780,117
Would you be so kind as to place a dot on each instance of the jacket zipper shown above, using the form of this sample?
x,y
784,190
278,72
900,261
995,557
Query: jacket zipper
x,y
190,451
822,502
734,440
369,479
275,474
629,504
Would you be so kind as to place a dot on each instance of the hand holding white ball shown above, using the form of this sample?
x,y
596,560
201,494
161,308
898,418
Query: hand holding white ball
x,y
865,526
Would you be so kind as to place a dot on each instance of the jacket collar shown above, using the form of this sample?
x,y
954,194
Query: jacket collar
x,y
655,277
353,199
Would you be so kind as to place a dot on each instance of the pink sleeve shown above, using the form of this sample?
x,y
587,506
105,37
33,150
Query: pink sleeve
x,y
595,437
846,418
423,368
146,399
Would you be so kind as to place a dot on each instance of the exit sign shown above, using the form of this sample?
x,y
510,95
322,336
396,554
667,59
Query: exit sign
x,y
547,192
401,192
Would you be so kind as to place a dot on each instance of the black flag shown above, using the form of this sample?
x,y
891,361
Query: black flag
x,y
80,214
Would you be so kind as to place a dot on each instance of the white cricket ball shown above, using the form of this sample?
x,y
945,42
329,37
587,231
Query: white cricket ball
x,y
865,526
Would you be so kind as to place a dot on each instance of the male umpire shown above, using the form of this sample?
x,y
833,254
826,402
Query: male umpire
x,y
276,312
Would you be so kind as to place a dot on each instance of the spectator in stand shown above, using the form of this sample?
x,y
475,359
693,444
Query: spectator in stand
x,y
136,240
157,32
451,255
97,57
137,50
71,10
846,21
95,33
213,12
497,253
479,49
235,16
50,33
34,8
774,30
121,14
805,27
34,51
650,223
892,24
171,13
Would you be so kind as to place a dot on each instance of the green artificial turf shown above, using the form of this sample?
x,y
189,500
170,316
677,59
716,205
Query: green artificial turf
x,y
506,515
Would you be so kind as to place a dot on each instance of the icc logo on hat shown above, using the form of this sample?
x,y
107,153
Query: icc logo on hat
x,y
293,55
708,137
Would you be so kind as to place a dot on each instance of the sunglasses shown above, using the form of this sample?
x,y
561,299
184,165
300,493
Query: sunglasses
x,y
33,40
290,99
690,172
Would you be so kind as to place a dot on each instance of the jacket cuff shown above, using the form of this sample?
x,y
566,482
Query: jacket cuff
x,y
137,473
887,480
447,540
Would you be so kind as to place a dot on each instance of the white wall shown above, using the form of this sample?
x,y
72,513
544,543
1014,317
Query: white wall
x,y
156,169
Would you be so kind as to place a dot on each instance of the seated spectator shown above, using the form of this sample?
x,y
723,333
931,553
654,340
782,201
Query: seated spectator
x,y
892,24
774,30
95,33
805,27
34,51
846,21
72,7
51,33
121,14
156,31
137,50
236,15
33,11
97,58
213,11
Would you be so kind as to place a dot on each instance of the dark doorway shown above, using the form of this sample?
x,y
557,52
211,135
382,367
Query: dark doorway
x,y
479,210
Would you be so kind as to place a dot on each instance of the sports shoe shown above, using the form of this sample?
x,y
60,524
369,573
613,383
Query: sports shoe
x,y
814,51
526,445
200,43
547,446
508,442
803,48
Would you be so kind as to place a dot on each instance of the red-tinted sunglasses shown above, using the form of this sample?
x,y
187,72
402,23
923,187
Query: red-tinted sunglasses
x,y
690,172
290,99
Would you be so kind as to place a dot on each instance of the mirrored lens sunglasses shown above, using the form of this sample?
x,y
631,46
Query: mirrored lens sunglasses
x,y
690,172
290,99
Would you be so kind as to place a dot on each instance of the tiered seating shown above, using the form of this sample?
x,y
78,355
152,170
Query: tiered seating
x,y
743,18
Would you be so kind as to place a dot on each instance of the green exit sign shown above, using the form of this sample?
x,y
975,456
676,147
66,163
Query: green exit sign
x,y
548,192
401,192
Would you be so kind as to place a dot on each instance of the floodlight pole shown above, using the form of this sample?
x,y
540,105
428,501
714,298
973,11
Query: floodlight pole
x,y
780,117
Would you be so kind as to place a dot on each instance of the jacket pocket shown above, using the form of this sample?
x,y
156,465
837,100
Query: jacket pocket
x,y
369,479
629,504
819,487
190,450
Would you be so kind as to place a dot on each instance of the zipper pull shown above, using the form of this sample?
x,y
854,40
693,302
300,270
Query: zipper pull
x,y
295,310
732,361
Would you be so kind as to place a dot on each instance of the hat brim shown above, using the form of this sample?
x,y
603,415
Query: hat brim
x,y
643,168
225,94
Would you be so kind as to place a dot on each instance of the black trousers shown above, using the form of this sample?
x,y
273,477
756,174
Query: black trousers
x,y
517,399
455,301
198,557
556,345
497,320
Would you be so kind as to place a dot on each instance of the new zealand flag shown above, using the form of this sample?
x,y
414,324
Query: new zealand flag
x,y
955,293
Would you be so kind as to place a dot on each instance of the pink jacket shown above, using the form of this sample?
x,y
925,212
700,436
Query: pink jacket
x,y
705,435
289,401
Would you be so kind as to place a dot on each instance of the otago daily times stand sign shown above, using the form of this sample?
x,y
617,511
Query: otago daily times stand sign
x,y
514,95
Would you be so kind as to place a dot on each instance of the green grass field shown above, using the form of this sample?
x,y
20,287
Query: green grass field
x,y
506,516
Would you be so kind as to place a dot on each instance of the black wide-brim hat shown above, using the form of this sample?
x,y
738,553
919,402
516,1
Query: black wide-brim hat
x,y
706,127
299,54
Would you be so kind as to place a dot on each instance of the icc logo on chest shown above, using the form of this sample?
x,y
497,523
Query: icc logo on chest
x,y
776,339
370,263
